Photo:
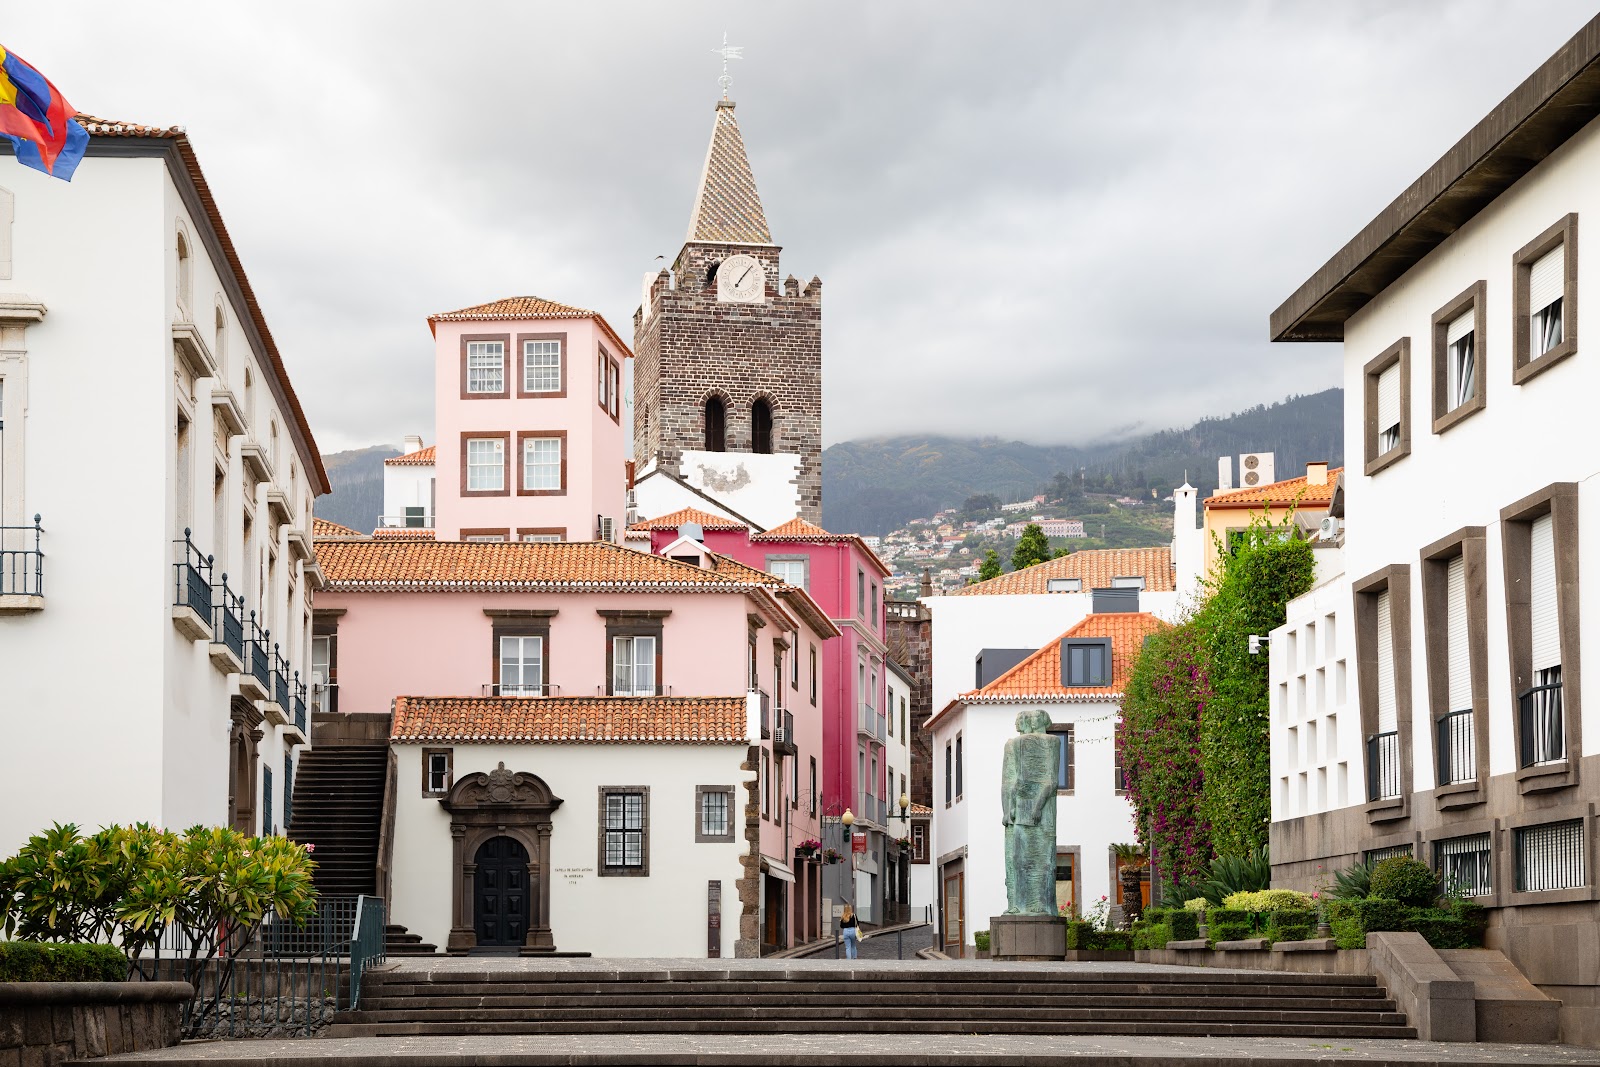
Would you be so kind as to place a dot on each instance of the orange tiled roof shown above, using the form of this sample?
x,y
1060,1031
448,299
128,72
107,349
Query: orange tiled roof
x,y
1094,567
515,308
744,572
1280,494
422,457
920,809
553,720
798,529
388,564
404,533
673,520
321,528
98,127
1039,676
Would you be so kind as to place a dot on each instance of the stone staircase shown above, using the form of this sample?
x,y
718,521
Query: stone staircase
x,y
412,1000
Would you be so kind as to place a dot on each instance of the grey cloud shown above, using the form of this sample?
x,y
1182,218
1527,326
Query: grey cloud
x,y
1045,220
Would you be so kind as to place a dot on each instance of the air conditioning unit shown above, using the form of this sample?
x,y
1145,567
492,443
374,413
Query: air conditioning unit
x,y
1329,528
780,736
1256,468
608,529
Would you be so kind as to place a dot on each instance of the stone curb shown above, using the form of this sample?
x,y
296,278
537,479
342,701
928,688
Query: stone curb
x,y
94,992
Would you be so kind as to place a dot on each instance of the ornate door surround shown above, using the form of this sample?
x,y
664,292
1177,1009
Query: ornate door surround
x,y
499,803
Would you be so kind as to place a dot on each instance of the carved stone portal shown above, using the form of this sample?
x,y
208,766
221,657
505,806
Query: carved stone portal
x,y
499,803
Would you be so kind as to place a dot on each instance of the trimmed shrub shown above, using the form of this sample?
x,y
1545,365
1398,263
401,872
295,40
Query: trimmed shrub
x,y
1290,925
1347,931
1083,935
1379,913
1407,880
980,940
1185,924
31,961
1229,924
1268,900
1439,928
1198,905
1148,934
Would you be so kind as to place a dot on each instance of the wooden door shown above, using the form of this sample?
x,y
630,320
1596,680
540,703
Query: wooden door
x,y
504,898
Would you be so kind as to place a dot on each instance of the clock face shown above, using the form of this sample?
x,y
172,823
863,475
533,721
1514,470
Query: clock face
x,y
741,280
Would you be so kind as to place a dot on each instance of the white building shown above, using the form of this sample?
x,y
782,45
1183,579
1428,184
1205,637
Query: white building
x,y
409,488
1429,700
1078,679
131,344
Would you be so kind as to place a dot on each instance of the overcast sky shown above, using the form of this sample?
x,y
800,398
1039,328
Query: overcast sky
x,y
1052,221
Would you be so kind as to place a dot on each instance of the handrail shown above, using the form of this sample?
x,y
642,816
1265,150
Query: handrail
x,y
495,689
22,569
1457,747
1541,725
1383,765
192,577
228,625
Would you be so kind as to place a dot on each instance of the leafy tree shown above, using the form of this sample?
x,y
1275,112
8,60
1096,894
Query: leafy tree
x,y
990,567
1032,547
1061,552
979,503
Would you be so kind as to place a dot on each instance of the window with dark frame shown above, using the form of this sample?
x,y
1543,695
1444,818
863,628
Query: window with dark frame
x,y
623,839
811,804
714,813
437,776
1086,662
486,366
959,768
1544,287
919,842
949,773
813,674
541,366
1066,757
1387,406
1119,778
1550,856
1464,865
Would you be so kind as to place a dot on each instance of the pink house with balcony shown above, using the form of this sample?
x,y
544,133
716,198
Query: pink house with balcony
x,y
845,578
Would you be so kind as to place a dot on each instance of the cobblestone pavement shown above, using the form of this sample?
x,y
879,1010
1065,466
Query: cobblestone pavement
x,y
898,1049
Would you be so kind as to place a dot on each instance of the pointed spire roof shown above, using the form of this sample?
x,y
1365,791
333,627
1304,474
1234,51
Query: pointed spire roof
x,y
728,207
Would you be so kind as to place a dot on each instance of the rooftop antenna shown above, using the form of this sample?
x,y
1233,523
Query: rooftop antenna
x,y
727,52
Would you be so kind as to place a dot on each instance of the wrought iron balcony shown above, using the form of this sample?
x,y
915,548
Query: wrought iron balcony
x,y
1383,766
1541,725
227,629
784,743
280,679
1458,748
256,683
21,568
325,697
497,689
191,598
299,717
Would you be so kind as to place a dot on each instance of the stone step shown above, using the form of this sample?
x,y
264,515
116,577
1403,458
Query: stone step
x,y
908,1013
370,1003
1295,1029
380,985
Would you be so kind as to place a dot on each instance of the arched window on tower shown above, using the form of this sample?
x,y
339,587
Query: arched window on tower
x,y
716,425
761,426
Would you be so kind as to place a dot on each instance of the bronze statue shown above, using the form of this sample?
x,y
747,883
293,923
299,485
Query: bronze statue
x,y
1028,812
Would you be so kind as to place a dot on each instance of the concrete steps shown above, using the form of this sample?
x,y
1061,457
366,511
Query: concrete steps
x,y
338,807
408,1002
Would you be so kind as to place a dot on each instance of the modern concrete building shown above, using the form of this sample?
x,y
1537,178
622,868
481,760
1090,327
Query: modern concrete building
x,y
135,358
1429,700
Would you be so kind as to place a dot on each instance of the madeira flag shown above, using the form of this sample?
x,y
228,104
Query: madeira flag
x,y
37,120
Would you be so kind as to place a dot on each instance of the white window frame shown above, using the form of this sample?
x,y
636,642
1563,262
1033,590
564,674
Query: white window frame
x,y
478,467
541,474
486,367
633,674
541,366
519,664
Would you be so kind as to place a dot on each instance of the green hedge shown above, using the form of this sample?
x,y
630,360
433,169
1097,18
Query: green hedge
x,y
1151,935
1184,925
1083,935
32,961
1290,925
1457,924
1380,913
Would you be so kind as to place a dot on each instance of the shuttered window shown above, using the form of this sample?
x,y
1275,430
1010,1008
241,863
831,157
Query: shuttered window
x,y
1546,280
1457,656
1550,856
1387,718
1546,630
1389,409
1460,360
1464,865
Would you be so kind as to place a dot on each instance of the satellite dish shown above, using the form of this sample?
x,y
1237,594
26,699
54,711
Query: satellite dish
x,y
693,531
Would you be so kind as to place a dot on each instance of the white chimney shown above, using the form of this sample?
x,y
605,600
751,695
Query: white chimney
x,y
412,444
1188,540
1224,474
1317,473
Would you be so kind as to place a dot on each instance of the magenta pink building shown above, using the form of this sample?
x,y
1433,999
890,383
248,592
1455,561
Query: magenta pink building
x,y
845,578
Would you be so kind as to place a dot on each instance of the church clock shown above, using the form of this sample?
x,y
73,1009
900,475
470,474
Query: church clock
x,y
740,280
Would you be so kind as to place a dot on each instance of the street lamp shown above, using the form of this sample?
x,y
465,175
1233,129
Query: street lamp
x,y
848,820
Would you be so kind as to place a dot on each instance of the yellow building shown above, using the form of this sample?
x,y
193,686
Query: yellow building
x,y
1306,498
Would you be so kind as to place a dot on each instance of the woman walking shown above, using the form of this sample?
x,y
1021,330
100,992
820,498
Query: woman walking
x,y
851,931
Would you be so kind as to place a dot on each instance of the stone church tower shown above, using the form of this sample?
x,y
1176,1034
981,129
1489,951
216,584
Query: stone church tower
x,y
728,372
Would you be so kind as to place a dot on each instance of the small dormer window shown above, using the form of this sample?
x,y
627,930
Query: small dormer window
x,y
1086,662
1132,582
1064,585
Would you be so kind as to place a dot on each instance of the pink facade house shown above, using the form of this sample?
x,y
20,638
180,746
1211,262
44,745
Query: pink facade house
x,y
845,578
530,437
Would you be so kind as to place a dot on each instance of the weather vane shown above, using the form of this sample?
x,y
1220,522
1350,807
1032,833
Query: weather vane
x,y
727,52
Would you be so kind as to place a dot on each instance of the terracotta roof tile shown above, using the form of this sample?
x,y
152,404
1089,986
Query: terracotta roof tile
x,y
422,457
798,530
727,206
1093,567
321,528
921,809
404,533
389,564
1280,494
673,520
554,720
516,308
99,127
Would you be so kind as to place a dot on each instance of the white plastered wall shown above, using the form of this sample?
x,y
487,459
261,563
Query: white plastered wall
x,y
1315,732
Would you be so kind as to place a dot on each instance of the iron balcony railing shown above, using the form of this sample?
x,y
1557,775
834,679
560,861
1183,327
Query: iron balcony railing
x,y
228,625
300,723
1540,722
784,744
21,560
1383,766
1458,748
260,661
192,577
545,689
280,679
405,522
325,697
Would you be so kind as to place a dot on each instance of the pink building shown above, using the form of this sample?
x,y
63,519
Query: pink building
x,y
846,579
528,415
578,662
